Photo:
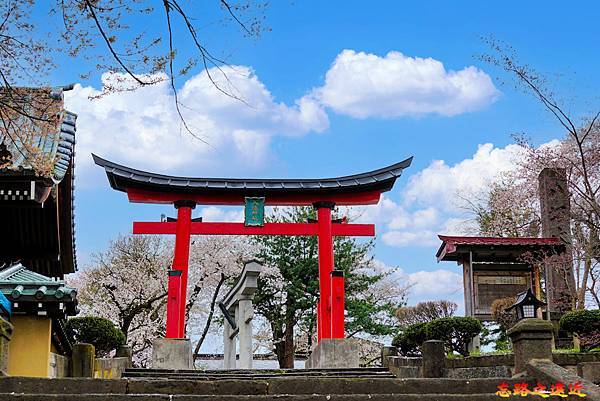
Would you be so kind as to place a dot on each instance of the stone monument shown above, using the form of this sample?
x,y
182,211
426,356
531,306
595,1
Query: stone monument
x,y
238,312
556,222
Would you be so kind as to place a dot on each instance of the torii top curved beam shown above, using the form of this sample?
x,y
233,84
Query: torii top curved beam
x,y
146,187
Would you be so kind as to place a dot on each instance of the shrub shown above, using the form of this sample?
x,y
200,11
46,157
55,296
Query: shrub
x,y
409,341
504,319
585,324
98,331
455,332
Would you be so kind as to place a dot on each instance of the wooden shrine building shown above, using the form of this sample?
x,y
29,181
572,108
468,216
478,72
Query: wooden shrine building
x,y
37,230
36,187
495,267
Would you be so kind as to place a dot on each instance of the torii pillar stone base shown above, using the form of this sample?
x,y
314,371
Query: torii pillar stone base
x,y
172,353
334,353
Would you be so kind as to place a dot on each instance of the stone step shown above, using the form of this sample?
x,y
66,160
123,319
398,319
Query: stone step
x,y
281,386
307,397
255,373
250,375
263,371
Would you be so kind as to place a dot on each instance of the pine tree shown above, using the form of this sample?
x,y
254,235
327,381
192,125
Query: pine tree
x,y
287,297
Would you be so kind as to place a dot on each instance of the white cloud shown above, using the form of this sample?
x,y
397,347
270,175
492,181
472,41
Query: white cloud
x,y
436,284
213,213
433,200
459,226
403,238
443,185
365,85
427,284
141,128
400,226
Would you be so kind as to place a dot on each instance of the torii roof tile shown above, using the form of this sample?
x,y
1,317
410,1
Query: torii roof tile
x,y
130,175
124,179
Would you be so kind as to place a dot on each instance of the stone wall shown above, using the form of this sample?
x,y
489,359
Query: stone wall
x,y
485,365
110,368
59,366
6,330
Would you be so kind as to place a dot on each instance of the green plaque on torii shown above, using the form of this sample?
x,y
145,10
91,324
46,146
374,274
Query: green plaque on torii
x,y
254,211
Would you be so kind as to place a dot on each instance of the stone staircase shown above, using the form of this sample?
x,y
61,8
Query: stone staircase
x,y
374,384
245,374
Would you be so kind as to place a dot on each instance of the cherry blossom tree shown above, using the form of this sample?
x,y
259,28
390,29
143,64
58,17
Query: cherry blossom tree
x,y
511,207
215,262
127,284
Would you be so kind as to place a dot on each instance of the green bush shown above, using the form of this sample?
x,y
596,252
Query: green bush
x,y
585,324
98,331
581,321
456,332
409,341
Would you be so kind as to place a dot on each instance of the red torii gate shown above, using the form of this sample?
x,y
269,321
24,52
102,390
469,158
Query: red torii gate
x,y
324,194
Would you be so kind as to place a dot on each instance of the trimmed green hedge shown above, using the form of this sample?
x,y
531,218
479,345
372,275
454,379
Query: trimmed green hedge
x,y
409,341
456,333
585,324
98,331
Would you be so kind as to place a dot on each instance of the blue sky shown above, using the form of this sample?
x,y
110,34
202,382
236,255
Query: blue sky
x,y
322,54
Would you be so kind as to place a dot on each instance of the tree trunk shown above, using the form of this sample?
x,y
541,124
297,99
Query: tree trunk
x,y
288,344
279,344
587,267
210,316
311,331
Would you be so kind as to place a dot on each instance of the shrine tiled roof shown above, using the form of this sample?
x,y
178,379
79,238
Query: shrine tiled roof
x,y
123,178
52,142
29,290
450,244
36,187
498,240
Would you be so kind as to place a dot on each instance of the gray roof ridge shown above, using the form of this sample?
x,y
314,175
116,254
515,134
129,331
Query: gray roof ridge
x,y
34,278
392,169
9,271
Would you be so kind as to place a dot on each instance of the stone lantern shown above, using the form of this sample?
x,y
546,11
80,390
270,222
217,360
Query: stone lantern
x,y
526,305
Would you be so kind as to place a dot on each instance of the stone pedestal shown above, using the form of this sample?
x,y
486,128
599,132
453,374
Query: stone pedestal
x,y
82,360
6,330
589,371
172,353
125,351
335,353
532,339
434,359
387,352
